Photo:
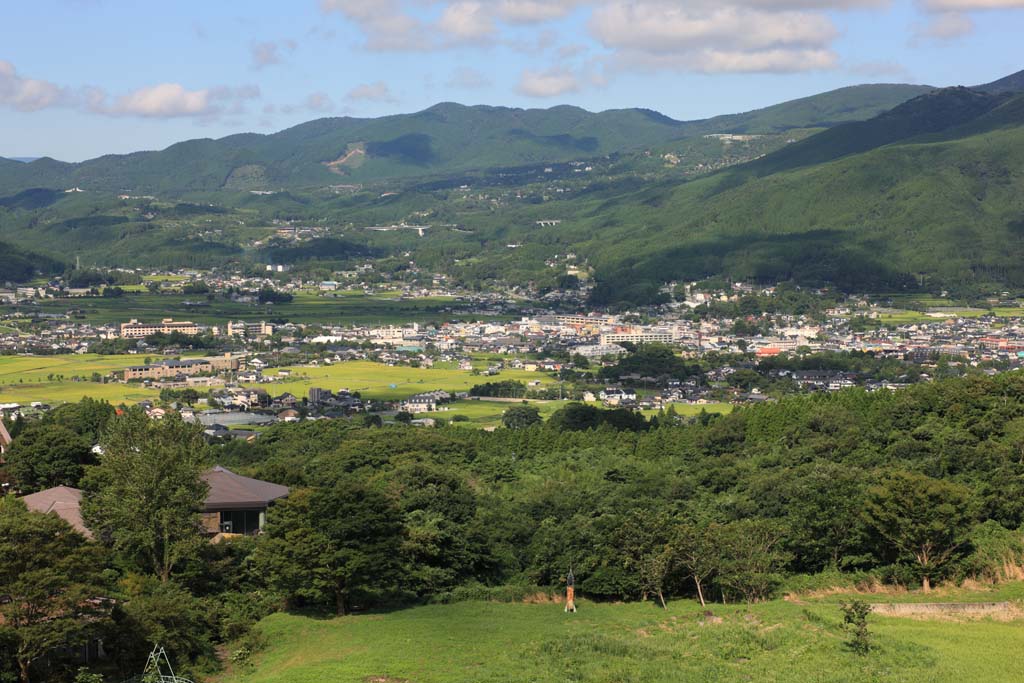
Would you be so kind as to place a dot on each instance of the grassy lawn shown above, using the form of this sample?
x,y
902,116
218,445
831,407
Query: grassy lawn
x,y
479,642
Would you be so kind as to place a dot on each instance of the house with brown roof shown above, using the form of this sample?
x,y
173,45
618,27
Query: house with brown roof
x,y
234,505
63,501
237,504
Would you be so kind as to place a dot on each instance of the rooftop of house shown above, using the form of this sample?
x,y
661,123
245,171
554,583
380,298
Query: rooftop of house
x,y
64,501
230,491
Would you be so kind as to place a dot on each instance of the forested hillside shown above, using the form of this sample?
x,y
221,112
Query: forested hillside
x,y
942,202
443,139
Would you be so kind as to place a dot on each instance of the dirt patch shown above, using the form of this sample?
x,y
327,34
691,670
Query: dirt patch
x,y
950,611
709,618
353,157
384,679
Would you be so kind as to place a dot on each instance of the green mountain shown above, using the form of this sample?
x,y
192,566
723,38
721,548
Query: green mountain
x,y
444,139
18,265
933,189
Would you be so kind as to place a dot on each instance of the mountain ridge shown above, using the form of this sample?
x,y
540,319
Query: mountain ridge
x,y
445,137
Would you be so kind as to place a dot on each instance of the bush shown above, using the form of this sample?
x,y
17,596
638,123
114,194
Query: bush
x,y
239,612
513,593
855,621
998,553
830,578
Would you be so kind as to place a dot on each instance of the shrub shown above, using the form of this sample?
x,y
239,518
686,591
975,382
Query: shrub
x,y
855,621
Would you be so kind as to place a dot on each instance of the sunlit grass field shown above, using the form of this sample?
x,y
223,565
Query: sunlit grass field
x,y
481,642
375,380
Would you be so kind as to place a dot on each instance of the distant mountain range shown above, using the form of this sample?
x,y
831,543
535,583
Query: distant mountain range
x,y
900,185
443,139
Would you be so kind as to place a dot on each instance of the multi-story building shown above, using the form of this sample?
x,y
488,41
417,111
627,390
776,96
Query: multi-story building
x,y
250,330
188,367
133,329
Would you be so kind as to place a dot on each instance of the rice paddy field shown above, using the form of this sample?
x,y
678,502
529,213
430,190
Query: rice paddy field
x,y
378,381
49,379
784,641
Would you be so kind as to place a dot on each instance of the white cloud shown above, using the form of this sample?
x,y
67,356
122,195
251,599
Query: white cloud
x,y
319,102
534,11
715,38
28,94
268,53
969,5
173,100
466,20
371,92
385,23
667,28
945,26
548,83
468,79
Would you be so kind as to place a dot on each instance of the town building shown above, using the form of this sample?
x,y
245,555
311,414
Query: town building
x,y
133,329
188,367
250,330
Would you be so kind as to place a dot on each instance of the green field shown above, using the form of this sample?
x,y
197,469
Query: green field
x,y
25,379
347,308
479,642
47,379
375,380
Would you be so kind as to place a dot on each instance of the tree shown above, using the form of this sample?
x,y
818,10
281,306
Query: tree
x,y
49,578
824,511
696,553
333,546
518,417
47,455
146,493
926,518
751,557
87,418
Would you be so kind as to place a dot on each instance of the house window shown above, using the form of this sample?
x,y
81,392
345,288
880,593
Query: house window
x,y
241,522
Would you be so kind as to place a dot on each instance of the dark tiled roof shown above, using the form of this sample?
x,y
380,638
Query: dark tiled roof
x,y
230,491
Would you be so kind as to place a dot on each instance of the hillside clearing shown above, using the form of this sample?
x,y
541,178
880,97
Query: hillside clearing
x,y
480,642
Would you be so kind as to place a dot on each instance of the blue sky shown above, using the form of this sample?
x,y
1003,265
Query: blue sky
x,y
80,78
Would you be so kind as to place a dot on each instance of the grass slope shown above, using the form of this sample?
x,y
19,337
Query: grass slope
x,y
487,642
